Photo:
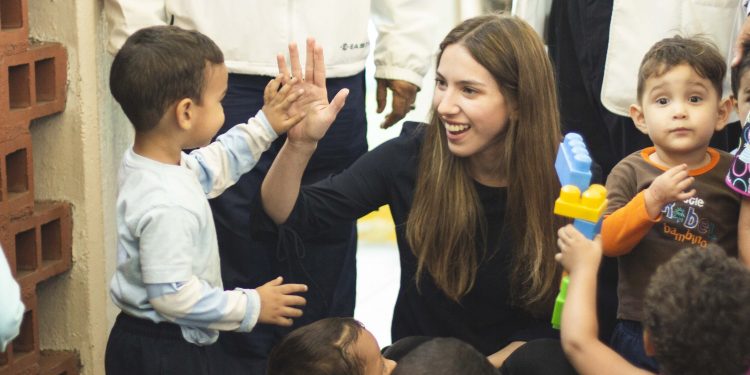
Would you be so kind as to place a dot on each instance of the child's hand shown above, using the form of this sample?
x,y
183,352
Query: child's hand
x,y
277,104
670,186
276,299
576,251
314,103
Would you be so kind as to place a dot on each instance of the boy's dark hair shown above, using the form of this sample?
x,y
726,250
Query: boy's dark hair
x,y
697,312
700,54
158,66
322,348
444,356
740,69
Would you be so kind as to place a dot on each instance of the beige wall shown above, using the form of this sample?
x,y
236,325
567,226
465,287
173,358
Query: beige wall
x,y
76,154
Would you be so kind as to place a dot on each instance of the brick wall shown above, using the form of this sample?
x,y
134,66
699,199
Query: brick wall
x,y
36,236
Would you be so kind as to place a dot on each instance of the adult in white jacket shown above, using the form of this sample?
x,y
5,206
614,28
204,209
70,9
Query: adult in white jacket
x,y
597,47
251,33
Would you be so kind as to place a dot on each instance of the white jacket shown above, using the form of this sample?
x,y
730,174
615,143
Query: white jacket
x,y
252,32
637,24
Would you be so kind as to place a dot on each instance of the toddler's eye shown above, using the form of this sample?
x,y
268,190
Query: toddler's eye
x,y
662,101
439,82
695,99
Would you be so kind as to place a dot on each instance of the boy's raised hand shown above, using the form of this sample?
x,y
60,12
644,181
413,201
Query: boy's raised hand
x,y
319,113
670,186
276,301
277,104
576,251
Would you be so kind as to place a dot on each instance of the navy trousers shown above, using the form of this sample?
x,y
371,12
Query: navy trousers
x,y
327,264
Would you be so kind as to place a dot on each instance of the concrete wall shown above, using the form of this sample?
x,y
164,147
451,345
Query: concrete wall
x,y
76,154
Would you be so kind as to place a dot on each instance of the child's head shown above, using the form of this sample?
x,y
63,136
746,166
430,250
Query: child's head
x,y
741,83
161,66
331,346
679,94
697,313
444,356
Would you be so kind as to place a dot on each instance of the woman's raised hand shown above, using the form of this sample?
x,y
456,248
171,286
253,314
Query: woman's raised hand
x,y
314,102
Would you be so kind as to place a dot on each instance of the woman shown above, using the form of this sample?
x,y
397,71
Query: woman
x,y
471,193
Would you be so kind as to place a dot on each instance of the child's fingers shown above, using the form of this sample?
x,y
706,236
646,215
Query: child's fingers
x,y
271,88
290,98
288,123
281,94
685,195
676,169
282,321
275,282
294,300
291,312
684,184
292,288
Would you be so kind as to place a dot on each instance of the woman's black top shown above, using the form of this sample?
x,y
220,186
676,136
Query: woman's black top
x,y
386,175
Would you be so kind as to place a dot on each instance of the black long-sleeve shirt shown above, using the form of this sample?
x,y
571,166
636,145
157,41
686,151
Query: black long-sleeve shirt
x,y
387,175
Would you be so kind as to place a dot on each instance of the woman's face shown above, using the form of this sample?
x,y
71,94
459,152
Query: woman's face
x,y
472,110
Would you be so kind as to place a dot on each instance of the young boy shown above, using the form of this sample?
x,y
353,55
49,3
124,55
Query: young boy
x,y
665,197
329,346
170,83
695,312
444,356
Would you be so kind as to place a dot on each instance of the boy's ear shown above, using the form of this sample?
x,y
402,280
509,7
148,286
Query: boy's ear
x,y
725,108
636,113
648,345
184,113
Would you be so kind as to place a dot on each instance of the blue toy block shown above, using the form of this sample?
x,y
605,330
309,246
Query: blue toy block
x,y
573,163
588,228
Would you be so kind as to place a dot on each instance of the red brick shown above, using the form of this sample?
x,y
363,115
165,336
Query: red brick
x,y
14,26
59,363
22,355
36,83
56,231
16,172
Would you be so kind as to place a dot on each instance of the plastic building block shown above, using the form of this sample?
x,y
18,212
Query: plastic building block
x,y
560,302
588,206
573,163
588,228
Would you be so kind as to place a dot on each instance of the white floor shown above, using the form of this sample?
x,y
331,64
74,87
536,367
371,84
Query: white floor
x,y
377,285
378,272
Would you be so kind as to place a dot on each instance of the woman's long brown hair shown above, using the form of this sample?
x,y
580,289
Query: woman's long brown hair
x,y
446,223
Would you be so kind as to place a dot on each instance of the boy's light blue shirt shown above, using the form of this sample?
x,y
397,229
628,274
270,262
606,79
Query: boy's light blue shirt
x,y
166,232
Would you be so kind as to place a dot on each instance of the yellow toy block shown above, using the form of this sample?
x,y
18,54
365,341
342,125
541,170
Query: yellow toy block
x,y
589,206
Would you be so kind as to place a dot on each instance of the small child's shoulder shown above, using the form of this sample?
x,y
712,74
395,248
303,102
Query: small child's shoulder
x,y
634,160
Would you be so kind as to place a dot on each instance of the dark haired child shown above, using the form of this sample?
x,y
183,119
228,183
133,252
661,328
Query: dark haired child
x,y
170,82
444,356
331,346
694,312
671,195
